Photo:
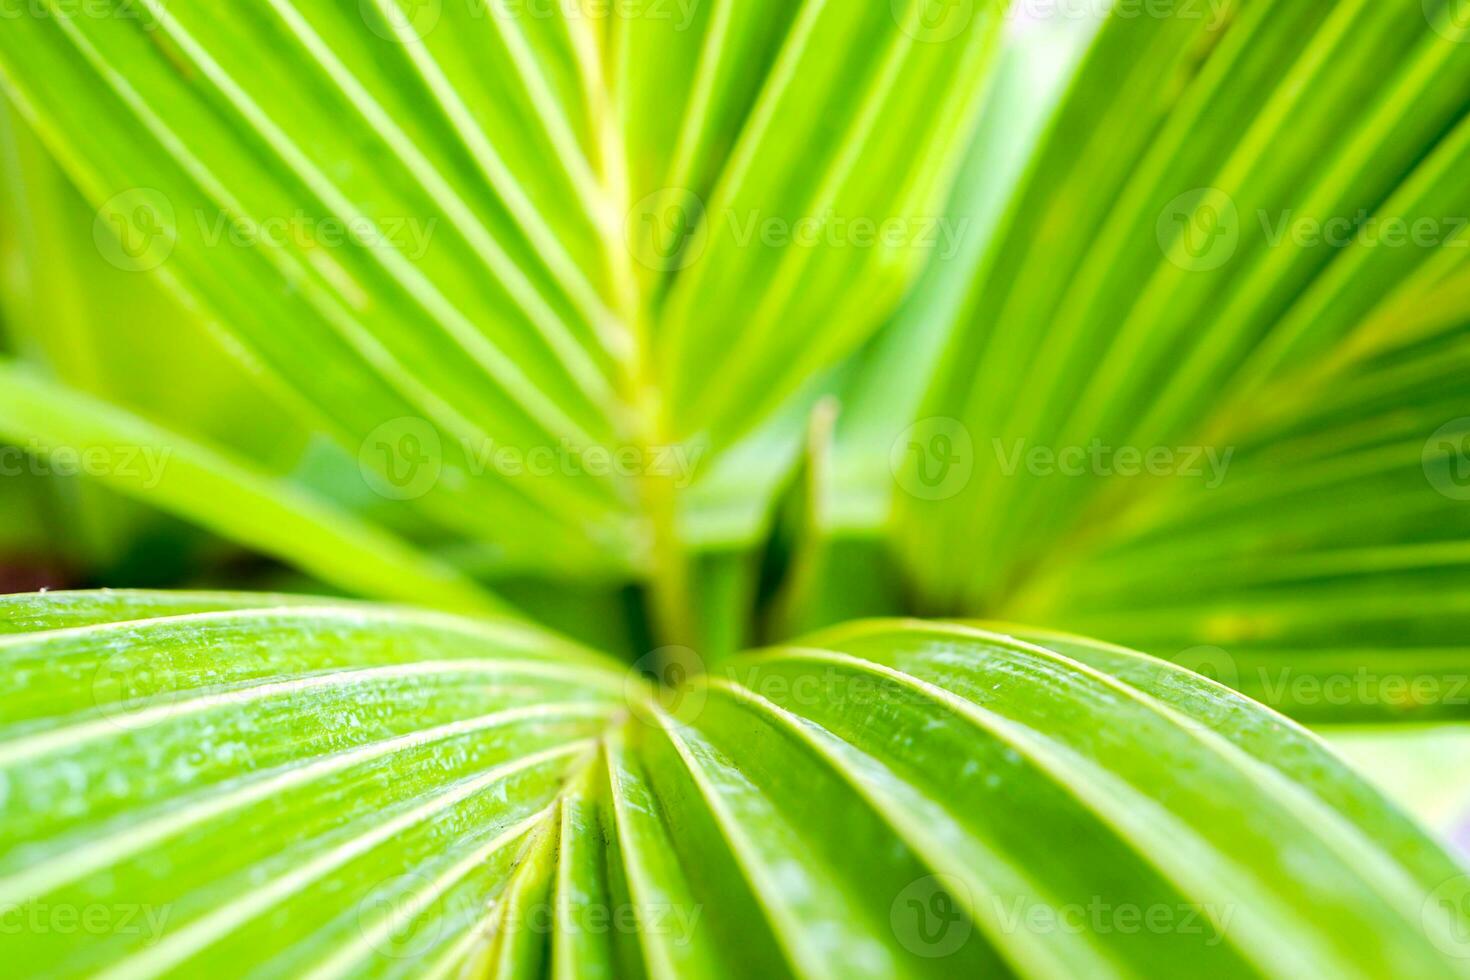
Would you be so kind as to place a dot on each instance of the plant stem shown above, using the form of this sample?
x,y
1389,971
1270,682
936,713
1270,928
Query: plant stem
x,y
669,591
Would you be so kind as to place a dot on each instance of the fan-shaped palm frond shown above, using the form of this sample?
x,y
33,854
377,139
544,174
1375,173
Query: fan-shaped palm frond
x,y
1146,324
327,789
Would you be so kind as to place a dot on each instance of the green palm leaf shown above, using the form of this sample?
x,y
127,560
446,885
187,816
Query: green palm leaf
x,y
1215,270
754,313
276,518
459,289
628,297
304,787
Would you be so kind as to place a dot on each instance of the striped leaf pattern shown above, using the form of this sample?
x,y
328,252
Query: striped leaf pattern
x,y
439,229
1212,366
255,785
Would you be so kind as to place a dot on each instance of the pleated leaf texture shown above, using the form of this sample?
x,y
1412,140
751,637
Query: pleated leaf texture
x,y
209,784
423,231
1238,256
433,232
550,235
448,227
